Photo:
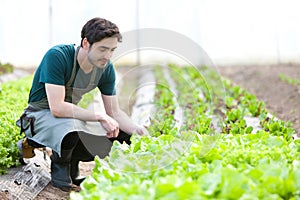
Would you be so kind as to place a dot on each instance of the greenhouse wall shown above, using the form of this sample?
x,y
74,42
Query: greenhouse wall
x,y
230,32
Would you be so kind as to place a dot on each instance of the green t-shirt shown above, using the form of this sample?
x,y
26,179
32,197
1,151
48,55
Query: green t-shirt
x,y
56,68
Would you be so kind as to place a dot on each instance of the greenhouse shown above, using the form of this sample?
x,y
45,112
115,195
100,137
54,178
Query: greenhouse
x,y
181,100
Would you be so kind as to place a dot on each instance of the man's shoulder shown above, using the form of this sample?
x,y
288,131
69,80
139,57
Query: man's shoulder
x,y
63,48
59,57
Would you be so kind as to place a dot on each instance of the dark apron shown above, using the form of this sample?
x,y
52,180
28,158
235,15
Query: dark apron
x,y
47,130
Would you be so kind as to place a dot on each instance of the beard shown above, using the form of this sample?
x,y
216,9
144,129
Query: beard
x,y
95,61
100,63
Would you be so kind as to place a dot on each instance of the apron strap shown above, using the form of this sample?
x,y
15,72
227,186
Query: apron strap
x,y
93,76
69,83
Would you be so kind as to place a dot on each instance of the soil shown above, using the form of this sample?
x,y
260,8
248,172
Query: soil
x,y
282,100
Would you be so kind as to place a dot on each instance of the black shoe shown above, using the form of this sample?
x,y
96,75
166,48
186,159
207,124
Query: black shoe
x,y
69,188
78,180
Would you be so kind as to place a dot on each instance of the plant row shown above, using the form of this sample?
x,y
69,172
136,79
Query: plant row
x,y
214,154
13,101
6,68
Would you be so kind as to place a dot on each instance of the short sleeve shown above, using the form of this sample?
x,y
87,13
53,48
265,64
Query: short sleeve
x,y
108,80
53,68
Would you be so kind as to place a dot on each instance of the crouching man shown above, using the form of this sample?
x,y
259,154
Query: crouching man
x,y
53,119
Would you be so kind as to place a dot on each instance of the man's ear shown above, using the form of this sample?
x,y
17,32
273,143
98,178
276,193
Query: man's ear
x,y
85,43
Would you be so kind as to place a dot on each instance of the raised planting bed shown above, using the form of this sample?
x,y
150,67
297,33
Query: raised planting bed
x,y
6,68
17,181
13,100
204,158
224,145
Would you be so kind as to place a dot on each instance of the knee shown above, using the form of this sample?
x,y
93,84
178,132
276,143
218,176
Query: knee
x,y
122,137
70,140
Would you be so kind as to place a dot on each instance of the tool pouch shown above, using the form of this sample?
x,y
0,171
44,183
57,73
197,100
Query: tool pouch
x,y
25,122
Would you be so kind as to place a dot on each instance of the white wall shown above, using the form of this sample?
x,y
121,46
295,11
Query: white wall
x,y
232,31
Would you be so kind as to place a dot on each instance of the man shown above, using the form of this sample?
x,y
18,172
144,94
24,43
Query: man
x,y
53,118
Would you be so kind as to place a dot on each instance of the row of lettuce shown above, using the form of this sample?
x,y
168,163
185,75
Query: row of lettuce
x,y
6,68
13,101
211,155
214,154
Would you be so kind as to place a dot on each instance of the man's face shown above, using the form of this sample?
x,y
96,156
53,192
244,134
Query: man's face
x,y
100,52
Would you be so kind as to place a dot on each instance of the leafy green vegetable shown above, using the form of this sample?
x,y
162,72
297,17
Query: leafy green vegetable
x,y
195,161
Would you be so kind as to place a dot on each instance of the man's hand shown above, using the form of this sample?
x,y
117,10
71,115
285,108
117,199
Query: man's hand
x,y
141,130
111,126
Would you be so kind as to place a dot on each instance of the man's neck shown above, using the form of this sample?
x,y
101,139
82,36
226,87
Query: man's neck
x,y
83,61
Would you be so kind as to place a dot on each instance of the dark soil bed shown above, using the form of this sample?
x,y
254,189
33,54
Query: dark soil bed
x,y
282,100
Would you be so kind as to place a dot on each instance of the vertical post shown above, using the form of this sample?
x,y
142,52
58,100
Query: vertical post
x,y
138,56
50,22
276,9
277,48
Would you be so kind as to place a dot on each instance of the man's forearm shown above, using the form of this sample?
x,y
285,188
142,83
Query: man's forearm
x,y
126,124
69,110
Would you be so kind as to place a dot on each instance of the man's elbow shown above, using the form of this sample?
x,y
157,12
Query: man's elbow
x,y
114,114
110,114
56,111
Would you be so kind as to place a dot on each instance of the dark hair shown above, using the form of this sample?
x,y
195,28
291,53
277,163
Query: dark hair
x,y
97,29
